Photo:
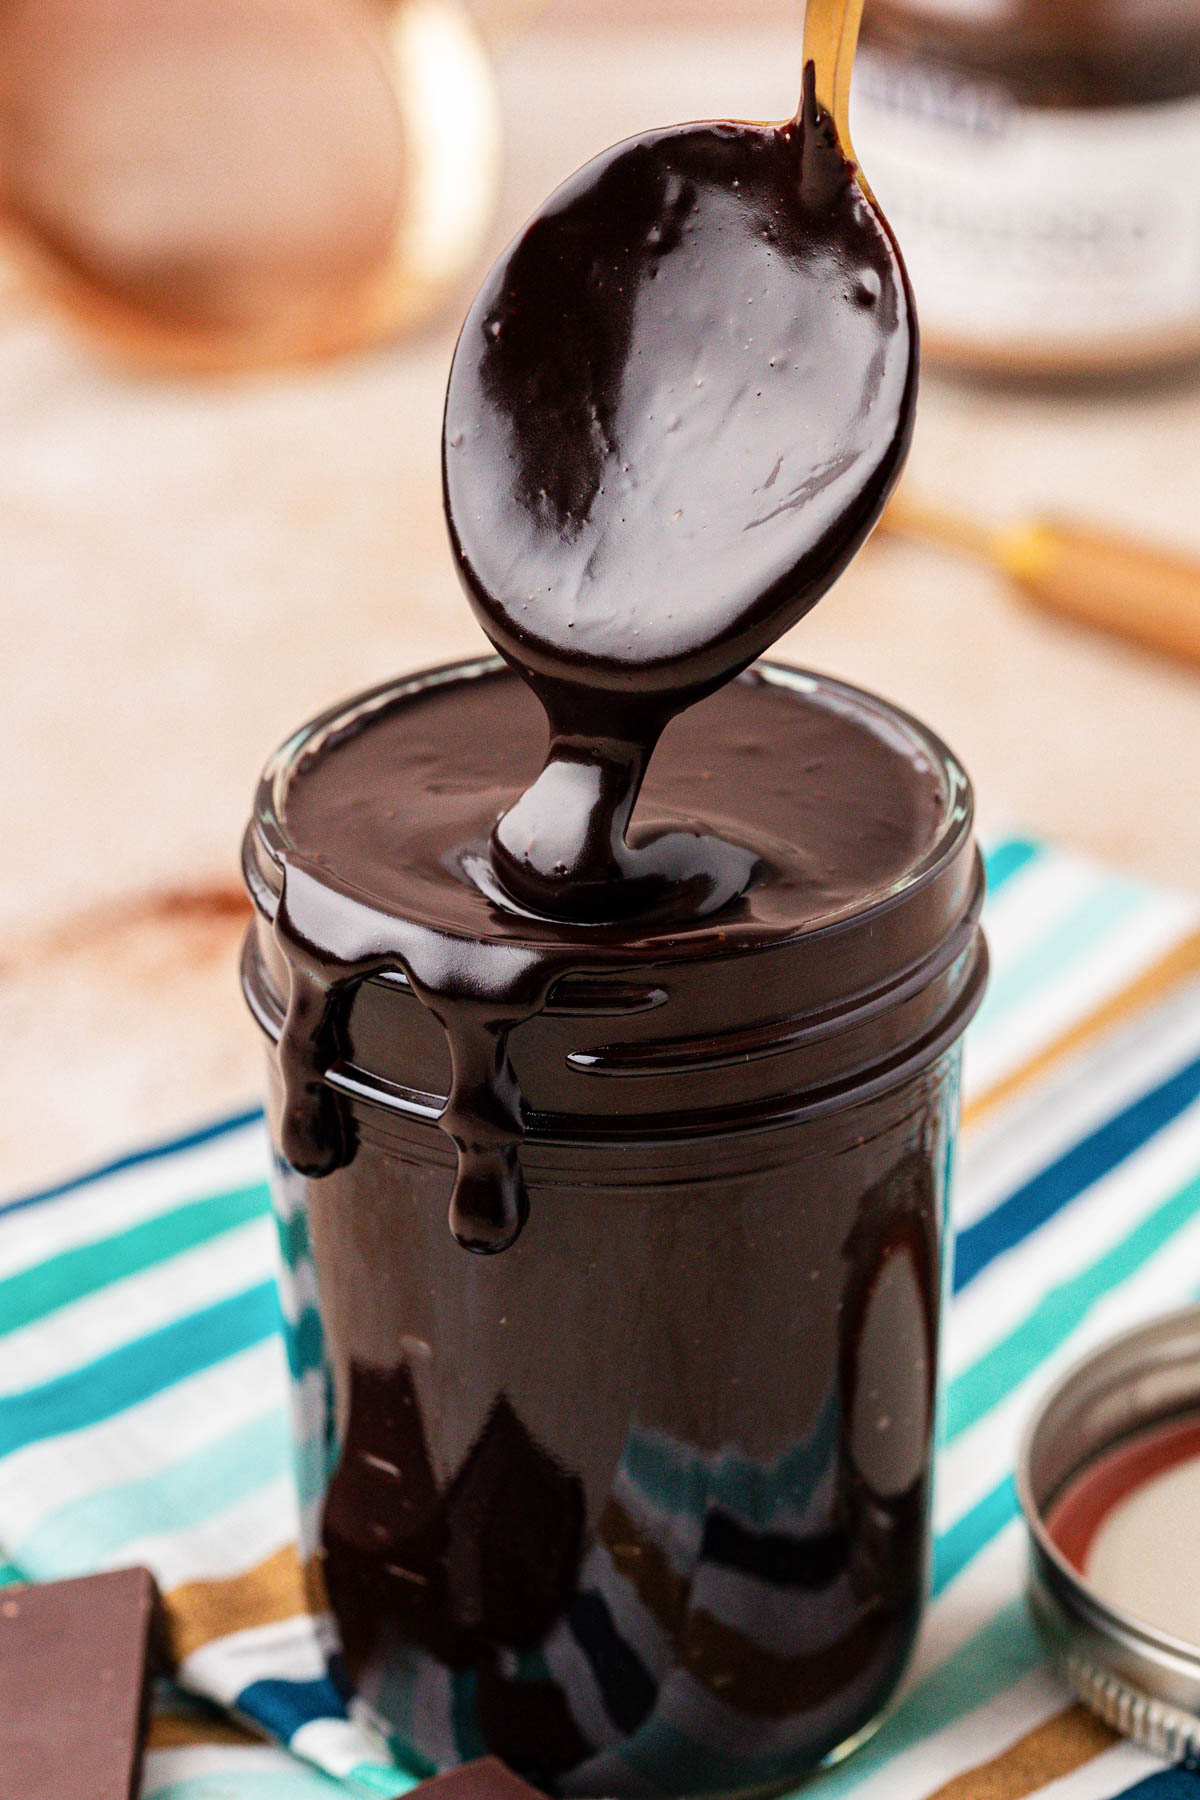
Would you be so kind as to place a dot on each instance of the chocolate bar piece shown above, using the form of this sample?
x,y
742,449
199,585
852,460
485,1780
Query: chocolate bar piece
x,y
486,1779
74,1686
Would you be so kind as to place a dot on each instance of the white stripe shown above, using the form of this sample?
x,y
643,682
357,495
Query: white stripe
x,y
999,1047
287,1650
1009,1290
125,1310
164,1769
227,1544
289,1191
990,1582
635,1624
109,1204
1105,1775
416,1687
297,1285
1035,901
1000,1156
41,1477
973,1738
972,1465
339,1745
575,1674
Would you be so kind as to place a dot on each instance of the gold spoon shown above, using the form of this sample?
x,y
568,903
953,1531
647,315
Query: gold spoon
x,y
830,41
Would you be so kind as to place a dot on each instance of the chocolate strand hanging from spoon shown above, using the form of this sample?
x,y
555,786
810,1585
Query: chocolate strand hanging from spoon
x,y
676,409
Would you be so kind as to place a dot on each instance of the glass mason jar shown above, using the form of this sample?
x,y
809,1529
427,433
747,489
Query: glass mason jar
x,y
642,1503
1040,161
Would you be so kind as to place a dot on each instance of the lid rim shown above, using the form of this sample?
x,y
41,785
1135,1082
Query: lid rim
x,y
1128,1670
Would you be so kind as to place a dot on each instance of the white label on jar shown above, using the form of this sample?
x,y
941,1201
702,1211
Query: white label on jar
x,y
1071,229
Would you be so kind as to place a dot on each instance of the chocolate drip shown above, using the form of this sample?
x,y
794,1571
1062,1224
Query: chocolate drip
x,y
479,992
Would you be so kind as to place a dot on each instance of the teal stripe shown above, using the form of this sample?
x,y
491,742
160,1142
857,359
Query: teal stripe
x,y
85,1269
76,1537
464,1716
996,1658
389,1782
962,1541
1099,915
304,1343
10,1575
139,1369
1001,1369
310,1459
675,1482
1007,859
294,1246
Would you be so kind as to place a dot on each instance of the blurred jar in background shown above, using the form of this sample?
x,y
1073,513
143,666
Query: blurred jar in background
x,y
214,184
1040,161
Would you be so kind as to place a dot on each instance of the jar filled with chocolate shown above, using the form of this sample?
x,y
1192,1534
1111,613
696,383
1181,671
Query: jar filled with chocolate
x,y
640,1501
614,1104
1040,161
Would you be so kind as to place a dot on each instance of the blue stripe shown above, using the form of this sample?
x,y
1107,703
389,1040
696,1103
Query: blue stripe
x,y
79,1536
1007,859
1064,1180
282,1707
1168,1784
139,1369
188,1140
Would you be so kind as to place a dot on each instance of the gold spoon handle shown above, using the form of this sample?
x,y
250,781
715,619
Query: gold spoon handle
x,y
830,40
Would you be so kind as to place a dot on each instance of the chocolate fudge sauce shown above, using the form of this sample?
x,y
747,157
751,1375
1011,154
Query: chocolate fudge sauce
x,y
641,1504
676,409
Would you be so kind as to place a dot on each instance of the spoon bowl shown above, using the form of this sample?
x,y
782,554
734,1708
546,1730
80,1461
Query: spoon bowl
x,y
677,408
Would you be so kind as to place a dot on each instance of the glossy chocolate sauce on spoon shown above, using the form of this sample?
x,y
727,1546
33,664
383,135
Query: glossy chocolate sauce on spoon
x,y
676,409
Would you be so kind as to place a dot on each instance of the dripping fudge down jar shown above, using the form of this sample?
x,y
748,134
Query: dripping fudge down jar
x,y
640,1501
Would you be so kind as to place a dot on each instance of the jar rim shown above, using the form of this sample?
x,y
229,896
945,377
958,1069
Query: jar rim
x,y
703,940
679,1034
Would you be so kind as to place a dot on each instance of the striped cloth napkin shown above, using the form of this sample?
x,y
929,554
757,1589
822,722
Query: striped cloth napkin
x,y
145,1373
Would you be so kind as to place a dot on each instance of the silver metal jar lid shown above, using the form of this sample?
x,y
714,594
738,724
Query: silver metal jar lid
x,y
1141,1680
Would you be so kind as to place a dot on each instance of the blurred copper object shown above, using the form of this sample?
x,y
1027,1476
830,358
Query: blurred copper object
x,y
222,184
1115,584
